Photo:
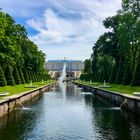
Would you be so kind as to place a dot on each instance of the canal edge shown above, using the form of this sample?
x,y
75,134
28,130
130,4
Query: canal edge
x,y
10,103
131,103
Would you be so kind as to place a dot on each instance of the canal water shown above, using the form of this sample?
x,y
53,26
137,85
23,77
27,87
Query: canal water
x,y
67,112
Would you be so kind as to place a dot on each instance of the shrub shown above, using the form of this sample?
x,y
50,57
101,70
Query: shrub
x,y
21,76
16,76
26,76
2,78
9,76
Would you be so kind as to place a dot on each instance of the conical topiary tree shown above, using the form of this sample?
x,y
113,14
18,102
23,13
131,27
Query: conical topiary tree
x,y
2,78
46,77
136,76
40,77
35,77
9,76
21,76
30,76
26,76
16,76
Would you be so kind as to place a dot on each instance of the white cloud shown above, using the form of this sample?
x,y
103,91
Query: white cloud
x,y
66,28
69,36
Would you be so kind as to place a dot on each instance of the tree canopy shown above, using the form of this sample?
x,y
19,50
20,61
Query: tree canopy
x,y
18,52
116,54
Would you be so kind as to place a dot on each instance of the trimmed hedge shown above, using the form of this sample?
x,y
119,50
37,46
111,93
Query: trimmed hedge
x,y
86,77
2,78
21,76
9,76
26,76
16,76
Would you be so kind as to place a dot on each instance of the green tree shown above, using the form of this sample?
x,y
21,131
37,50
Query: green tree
x,y
116,53
21,76
26,76
87,68
16,76
9,76
17,49
2,78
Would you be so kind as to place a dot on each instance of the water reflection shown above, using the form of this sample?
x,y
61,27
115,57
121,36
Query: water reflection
x,y
66,112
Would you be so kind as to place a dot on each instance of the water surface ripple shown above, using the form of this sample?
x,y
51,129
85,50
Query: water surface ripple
x,y
69,113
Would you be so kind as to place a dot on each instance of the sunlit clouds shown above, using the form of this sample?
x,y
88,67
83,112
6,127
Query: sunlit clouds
x,y
63,28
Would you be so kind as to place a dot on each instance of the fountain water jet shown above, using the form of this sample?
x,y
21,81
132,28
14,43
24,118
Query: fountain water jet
x,y
63,74
22,106
104,85
90,81
62,77
20,103
31,85
42,81
123,103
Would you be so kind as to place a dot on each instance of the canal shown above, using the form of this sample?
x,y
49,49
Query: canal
x,y
66,112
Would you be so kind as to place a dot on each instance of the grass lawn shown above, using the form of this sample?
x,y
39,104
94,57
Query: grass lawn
x,y
20,88
117,88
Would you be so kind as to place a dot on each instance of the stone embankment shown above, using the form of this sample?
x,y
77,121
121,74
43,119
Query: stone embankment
x,y
11,102
129,102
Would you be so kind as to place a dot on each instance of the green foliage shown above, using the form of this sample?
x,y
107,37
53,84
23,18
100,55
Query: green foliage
x,y
113,74
86,76
26,76
39,77
136,76
29,75
21,76
115,56
120,73
9,76
33,76
2,78
17,50
87,68
21,88
46,77
127,89
16,76
127,77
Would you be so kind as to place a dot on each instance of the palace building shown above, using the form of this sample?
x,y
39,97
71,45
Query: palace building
x,y
73,68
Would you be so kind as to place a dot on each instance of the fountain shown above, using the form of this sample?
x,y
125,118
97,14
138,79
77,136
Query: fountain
x,y
104,85
62,79
63,74
42,81
123,103
4,93
21,104
30,85
136,93
90,81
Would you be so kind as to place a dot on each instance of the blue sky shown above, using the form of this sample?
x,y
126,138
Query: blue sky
x,y
62,28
